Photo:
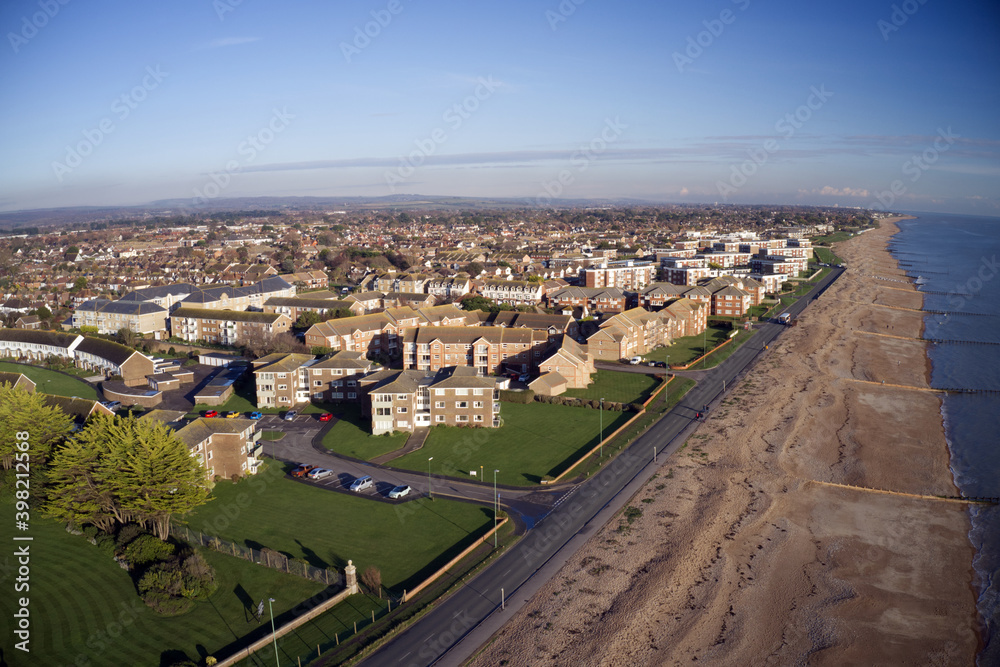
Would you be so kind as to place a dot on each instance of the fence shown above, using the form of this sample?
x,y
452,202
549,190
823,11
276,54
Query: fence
x,y
266,557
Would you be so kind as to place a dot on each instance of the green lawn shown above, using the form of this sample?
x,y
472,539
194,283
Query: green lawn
x,y
407,542
51,382
835,237
826,256
619,386
687,349
84,606
535,440
352,435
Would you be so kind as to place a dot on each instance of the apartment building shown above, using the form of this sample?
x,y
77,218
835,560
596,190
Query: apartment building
x,y
336,376
572,363
225,447
627,275
372,334
224,327
513,292
731,301
110,316
455,396
450,288
297,305
688,275
489,350
634,332
282,379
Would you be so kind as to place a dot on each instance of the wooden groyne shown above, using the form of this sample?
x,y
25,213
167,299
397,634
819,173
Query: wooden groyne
x,y
933,312
929,340
962,390
986,500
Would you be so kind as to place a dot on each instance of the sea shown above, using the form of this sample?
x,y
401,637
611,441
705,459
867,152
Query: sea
x,y
954,259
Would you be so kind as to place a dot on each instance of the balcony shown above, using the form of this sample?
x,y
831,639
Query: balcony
x,y
256,451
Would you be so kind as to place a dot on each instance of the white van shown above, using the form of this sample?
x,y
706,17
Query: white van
x,y
635,361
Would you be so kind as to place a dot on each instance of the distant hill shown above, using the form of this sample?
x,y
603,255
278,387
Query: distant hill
x,y
168,207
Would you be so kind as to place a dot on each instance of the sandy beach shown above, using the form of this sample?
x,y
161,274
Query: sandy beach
x,y
754,546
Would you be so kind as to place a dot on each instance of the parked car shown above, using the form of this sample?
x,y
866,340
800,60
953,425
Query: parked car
x,y
112,405
524,378
256,415
635,361
232,414
302,470
325,417
290,415
320,473
398,492
362,483
211,413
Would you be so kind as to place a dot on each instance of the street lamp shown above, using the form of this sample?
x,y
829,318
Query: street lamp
x,y
273,634
496,507
430,491
602,428
666,380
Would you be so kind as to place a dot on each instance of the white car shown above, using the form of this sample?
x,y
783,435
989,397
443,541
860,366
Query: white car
x,y
362,483
398,492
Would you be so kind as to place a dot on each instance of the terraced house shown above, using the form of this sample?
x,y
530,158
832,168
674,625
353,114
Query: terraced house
x,y
512,292
224,327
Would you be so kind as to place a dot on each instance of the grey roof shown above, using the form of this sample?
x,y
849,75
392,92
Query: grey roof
x,y
270,284
150,293
53,338
121,307
106,349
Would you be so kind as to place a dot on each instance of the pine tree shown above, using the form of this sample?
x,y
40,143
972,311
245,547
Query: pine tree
x,y
21,412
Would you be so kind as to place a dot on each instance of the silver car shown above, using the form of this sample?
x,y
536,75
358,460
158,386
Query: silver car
x,y
320,473
398,492
290,415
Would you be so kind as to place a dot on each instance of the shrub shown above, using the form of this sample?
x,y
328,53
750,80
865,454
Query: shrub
x,y
372,579
147,549
127,533
511,396
172,352
198,582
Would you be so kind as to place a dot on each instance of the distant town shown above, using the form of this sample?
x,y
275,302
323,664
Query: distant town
x,y
352,351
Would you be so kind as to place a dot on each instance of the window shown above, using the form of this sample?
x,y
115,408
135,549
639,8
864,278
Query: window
x,y
478,418
282,386
477,392
477,404
461,404
439,418
461,418
461,392
383,412
352,394
401,410
439,404
318,383
439,392
210,453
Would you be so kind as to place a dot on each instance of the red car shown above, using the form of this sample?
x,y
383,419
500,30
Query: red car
x,y
211,413
325,417
302,470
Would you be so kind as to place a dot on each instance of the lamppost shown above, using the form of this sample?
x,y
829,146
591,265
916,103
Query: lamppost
x,y
273,634
430,491
602,428
666,380
496,507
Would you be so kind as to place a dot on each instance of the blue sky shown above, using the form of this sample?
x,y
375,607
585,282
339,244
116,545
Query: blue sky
x,y
856,103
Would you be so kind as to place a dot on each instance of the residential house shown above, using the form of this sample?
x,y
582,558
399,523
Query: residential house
x,y
224,327
513,292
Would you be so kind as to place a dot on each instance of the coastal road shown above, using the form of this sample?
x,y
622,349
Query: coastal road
x,y
459,624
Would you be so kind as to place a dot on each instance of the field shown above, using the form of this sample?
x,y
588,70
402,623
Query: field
x,y
51,382
535,440
687,349
407,542
84,606
619,386
826,256
352,436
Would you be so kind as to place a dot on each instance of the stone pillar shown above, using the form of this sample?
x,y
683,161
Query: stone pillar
x,y
351,577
